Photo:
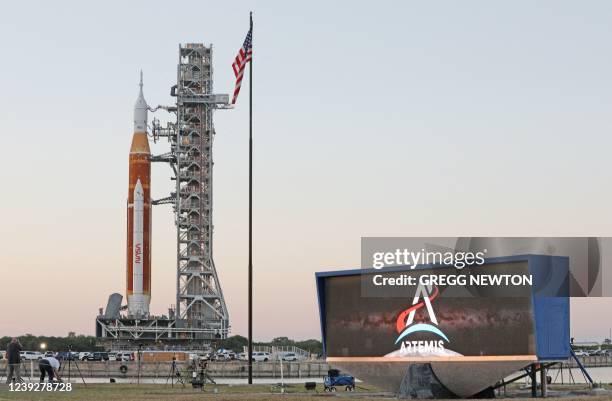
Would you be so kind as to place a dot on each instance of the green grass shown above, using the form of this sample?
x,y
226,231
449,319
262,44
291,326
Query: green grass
x,y
154,392
151,392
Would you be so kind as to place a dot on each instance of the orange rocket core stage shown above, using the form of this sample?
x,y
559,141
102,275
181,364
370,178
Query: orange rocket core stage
x,y
139,169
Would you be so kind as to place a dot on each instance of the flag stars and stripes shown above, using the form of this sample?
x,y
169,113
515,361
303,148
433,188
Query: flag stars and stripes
x,y
244,56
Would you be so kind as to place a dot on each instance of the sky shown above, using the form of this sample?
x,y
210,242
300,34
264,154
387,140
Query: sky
x,y
397,118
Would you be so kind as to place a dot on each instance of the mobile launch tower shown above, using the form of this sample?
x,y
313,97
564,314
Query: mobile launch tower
x,y
199,298
200,313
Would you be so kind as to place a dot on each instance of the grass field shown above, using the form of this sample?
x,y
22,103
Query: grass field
x,y
154,392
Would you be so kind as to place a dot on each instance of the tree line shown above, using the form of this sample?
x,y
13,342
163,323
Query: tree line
x,y
237,342
89,343
75,342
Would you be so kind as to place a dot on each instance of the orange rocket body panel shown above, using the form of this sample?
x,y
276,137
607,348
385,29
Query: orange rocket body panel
x,y
139,170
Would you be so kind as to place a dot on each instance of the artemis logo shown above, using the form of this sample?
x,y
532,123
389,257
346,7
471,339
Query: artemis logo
x,y
405,325
137,253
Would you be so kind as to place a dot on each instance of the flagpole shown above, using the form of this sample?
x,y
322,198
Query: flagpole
x,y
250,353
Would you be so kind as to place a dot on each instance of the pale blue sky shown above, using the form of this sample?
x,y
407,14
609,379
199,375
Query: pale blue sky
x,y
394,118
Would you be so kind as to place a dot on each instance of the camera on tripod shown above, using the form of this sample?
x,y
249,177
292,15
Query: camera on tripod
x,y
69,356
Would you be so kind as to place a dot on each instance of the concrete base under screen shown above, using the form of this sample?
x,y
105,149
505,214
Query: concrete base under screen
x,y
419,382
432,380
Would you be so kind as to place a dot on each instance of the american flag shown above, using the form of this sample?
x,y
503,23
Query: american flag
x,y
244,56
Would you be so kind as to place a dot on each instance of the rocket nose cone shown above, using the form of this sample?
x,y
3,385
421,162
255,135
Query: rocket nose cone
x,y
140,111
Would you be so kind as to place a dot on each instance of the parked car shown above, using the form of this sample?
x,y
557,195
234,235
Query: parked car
x,y
290,357
66,356
261,356
98,356
223,355
242,356
83,355
31,355
581,353
220,357
124,356
112,356
49,353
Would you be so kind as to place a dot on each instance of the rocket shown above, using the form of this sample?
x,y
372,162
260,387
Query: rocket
x,y
139,215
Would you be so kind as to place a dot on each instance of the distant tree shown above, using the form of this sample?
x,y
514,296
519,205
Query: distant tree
x,y
312,346
281,341
235,343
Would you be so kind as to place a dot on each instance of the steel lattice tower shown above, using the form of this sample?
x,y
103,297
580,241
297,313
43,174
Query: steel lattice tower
x,y
200,314
199,298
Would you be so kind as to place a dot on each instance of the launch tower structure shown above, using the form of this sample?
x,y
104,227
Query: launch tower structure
x,y
199,298
200,313
200,304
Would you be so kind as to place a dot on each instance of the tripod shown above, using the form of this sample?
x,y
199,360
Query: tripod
x,y
21,370
200,374
70,357
175,373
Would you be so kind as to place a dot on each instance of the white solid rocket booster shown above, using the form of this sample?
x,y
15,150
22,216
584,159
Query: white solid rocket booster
x,y
137,302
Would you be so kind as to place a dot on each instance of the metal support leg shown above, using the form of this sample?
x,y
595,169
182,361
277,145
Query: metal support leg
x,y
543,381
534,382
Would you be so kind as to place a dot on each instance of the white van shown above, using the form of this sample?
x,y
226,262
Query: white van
x,y
124,356
31,355
261,356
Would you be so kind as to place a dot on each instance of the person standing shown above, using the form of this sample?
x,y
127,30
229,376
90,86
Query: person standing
x,y
49,366
13,356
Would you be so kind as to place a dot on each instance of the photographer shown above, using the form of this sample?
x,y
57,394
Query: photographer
x,y
13,357
49,366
